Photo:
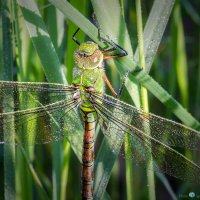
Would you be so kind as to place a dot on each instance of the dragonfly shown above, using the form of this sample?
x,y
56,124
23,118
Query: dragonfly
x,y
61,110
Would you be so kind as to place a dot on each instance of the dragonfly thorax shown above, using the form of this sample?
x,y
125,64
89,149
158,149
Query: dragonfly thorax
x,y
88,56
88,70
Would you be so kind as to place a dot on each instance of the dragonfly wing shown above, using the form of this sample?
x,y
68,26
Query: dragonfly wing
x,y
169,132
37,112
119,122
26,95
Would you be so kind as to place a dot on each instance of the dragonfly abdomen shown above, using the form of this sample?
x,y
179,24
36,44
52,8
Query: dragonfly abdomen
x,y
89,118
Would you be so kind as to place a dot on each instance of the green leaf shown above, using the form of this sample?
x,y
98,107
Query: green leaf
x,y
6,73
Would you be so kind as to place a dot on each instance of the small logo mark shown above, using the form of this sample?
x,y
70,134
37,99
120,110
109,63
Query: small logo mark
x,y
191,194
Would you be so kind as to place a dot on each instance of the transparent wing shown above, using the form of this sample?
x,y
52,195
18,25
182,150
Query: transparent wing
x,y
148,136
37,112
26,95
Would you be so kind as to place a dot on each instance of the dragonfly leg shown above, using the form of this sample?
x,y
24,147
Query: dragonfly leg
x,y
123,53
109,84
123,84
125,77
110,42
74,37
136,70
96,23
117,94
114,48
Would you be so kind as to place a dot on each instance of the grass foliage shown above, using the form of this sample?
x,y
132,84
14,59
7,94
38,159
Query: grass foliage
x,y
36,45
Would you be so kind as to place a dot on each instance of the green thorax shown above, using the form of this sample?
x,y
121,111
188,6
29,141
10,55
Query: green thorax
x,y
88,70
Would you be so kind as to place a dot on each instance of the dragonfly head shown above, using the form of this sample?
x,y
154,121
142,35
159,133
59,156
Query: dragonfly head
x,y
88,56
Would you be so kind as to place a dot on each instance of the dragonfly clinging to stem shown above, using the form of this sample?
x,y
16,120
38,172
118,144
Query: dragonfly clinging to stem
x,y
57,107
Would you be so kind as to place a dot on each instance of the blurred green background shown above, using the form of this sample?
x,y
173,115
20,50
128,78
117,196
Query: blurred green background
x,y
53,171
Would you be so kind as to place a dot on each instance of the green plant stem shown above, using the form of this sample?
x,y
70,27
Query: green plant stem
x,y
198,83
7,74
52,67
65,170
181,58
23,183
129,172
144,95
36,179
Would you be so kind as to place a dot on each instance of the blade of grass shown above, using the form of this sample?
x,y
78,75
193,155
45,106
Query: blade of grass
x,y
7,54
65,170
154,30
18,41
52,26
24,183
6,73
198,83
39,36
172,72
1,146
42,192
130,175
144,95
181,58
60,166
57,146
167,185
41,40
129,172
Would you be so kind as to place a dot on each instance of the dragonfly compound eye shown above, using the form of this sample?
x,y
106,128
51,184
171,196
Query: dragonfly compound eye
x,y
88,56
